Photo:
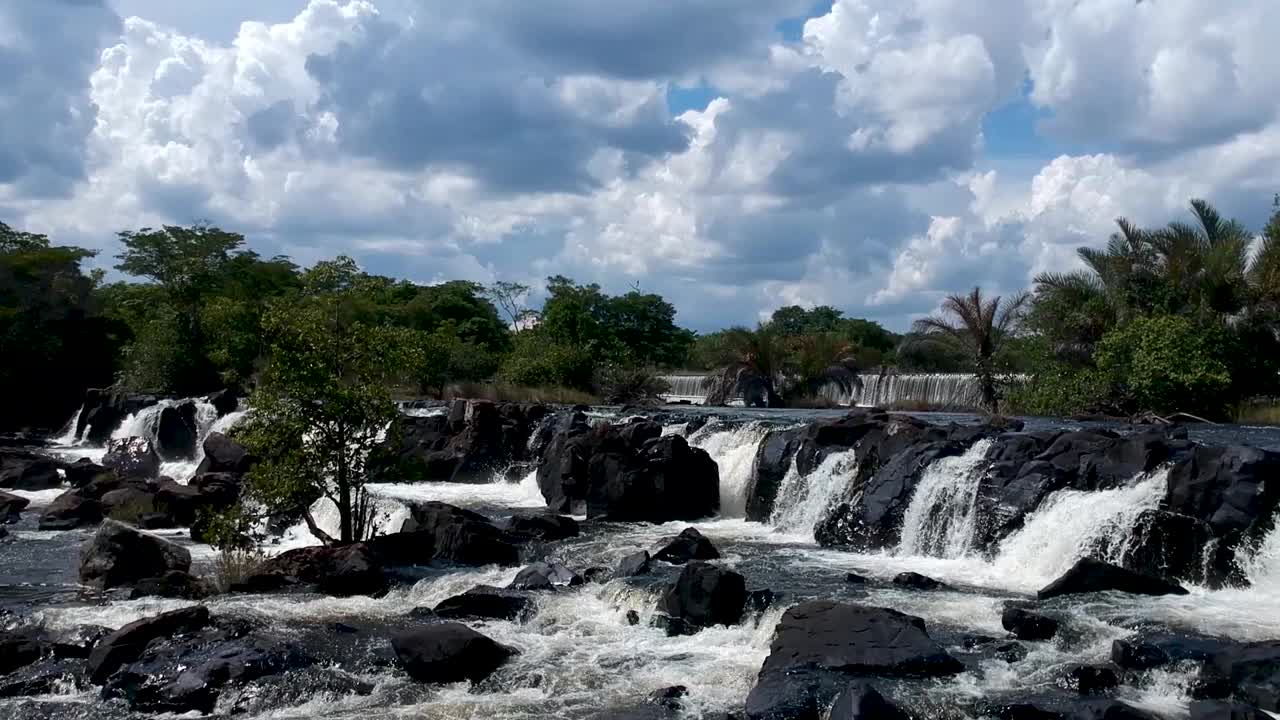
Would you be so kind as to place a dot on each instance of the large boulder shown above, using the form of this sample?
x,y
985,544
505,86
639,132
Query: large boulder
x,y
448,653
104,410
544,575
224,455
120,555
547,527
1164,544
177,432
1026,624
19,648
820,646
225,401
132,458
705,595
476,440
11,507
771,464
1089,575
84,471
129,642
637,563
688,545
861,701
70,510
436,531
343,571
24,470
485,602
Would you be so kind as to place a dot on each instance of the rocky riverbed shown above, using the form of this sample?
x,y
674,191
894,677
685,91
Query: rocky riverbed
x,y
579,563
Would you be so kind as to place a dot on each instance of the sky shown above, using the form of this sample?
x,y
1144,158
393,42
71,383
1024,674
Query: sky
x,y
873,155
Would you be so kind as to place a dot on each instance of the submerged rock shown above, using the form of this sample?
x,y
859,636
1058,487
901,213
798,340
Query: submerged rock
x,y
485,601
1027,624
547,527
688,545
447,653
1091,679
545,576
1089,575
820,646
132,458
129,642
916,581
120,555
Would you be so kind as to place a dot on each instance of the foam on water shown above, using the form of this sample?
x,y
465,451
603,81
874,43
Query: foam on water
x,y
734,450
942,514
802,499
38,498
1072,524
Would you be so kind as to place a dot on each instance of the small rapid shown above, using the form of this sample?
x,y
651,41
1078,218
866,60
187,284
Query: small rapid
x,y
802,499
734,450
941,518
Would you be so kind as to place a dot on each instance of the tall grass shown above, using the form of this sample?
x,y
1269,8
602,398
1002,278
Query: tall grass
x,y
1258,412
232,567
503,392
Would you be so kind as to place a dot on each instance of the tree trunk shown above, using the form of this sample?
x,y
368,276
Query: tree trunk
x,y
344,497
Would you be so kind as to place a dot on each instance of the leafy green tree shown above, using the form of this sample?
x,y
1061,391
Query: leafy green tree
x,y
54,341
981,326
1169,363
324,400
767,369
442,357
538,360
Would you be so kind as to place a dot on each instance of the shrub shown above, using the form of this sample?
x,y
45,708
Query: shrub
x,y
1170,364
538,361
233,566
625,385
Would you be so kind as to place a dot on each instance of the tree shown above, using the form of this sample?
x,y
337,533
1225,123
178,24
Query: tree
x,y
510,298
768,369
323,401
1169,363
979,326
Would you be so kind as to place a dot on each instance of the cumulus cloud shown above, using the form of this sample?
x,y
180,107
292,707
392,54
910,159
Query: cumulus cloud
x,y
844,166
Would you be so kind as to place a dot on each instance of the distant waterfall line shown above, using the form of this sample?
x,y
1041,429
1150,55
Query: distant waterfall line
x,y
941,391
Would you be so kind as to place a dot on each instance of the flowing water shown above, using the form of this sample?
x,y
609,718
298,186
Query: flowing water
x,y
579,655
948,391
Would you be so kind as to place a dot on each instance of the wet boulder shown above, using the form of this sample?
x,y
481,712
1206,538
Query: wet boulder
x,y
132,458
1089,575
104,410
545,576
173,584
1151,650
176,432
637,563
225,401
127,644
1026,624
448,653
1168,545
861,701
84,471
688,545
819,647
772,461
224,455
705,595
436,531
120,555
485,602
343,571
473,443
19,648
1091,679
11,507
23,470
547,527
70,510
916,581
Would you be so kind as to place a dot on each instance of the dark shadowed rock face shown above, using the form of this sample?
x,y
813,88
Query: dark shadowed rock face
x,y
25,470
688,545
628,473
475,441
120,555
637,563
224,455
706,595
71,510
103,411
438,531
447,653
11,507
772,461
132,458
1027,624
342,571
820,646
545,576
1227,488
861,701
486,602
547,527
1089,575
176,432
129,642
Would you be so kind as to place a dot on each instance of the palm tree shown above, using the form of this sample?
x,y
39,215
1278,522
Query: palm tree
x,y
1205,265
979,326
766,369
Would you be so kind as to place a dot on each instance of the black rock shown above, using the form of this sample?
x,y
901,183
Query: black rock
x,y
132,458
447,653
485,601
706,595
760,600
224,455
688,545
437,531
176,432
916,581
23,470
84,471
673,626
546,527
129,642
120,555
545,576
1028,625
1081,709
11,507
341,570
861,701
633,617
819,646
71,510
19,648
633,565
1091,680
1010,652
173,584
225,401
854,578
596,574
1089,575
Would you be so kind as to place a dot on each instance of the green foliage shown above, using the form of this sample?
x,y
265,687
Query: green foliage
x,y
324,399
443,356
980,328
1170,364
628,384
634,328
540,361
766,367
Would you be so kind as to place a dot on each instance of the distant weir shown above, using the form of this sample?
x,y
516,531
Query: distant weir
x,y
939,391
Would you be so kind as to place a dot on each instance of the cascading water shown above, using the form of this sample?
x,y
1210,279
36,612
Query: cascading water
x,y
1073,524
686,387
1262,565
802,499
67,436
949,391
941,517
734,450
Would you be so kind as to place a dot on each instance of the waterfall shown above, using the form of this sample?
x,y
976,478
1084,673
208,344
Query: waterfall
x,y
67,436
1261,565
941,517
1072,524
937,391
802,499
734,450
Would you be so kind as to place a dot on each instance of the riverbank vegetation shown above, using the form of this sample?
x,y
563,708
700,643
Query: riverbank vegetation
x,y
1178,318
